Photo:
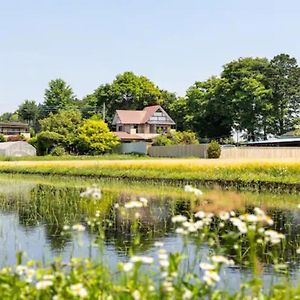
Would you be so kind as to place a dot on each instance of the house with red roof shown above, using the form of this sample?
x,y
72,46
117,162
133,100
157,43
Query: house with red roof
x,y
142,125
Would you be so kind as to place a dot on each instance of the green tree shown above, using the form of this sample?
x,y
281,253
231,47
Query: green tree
x,y
95,137
6,117
29,111
127,91
58,96
208,108
285,83
66,124
249,95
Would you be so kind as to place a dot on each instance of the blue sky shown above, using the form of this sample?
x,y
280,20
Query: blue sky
x,y
172,42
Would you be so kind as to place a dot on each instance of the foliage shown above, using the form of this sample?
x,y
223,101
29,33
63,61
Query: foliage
x,y
94,137
66,124
285,84
213,150
2,138
176,138
58,151
127,91
46,140
58,96
28,111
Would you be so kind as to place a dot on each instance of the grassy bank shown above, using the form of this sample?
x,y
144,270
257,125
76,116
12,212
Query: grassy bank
x,y
284,175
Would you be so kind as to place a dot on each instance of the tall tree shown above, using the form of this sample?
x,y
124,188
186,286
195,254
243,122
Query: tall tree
x,y
28,111
58,96
208,108
249,93
127,91
285,83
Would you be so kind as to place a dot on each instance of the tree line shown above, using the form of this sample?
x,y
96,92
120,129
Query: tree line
x,y
256,96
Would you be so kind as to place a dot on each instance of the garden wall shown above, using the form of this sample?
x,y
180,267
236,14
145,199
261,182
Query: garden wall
x,y
179,151
261,153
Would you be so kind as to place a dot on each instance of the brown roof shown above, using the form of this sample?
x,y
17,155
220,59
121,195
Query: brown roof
x,y
137,116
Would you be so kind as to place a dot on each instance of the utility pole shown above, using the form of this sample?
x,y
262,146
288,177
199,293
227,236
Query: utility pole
x,y
103,111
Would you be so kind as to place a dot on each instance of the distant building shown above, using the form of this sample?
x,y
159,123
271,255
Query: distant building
x,y
288,139
14,128
142,125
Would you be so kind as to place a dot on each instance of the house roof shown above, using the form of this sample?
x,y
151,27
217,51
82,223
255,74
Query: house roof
x,y
138,116
13,124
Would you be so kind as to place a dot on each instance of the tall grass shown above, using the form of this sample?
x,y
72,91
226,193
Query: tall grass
x,y
257,174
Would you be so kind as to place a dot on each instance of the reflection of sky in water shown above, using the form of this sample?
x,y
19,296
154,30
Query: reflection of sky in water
x,y
36,243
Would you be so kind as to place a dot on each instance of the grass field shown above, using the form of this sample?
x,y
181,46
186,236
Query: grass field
x,y
243,172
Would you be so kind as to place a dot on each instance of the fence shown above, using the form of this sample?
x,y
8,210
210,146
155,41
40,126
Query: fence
x,y
179,151
261,153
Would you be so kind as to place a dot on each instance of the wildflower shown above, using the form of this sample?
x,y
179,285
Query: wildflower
x,y
133,204
92,192
30,274
207,266
179,219
200,214
187,295
136,295
143,259
211,277
167,286
273,237
298,206
44,284
164,263
151,288
48,277
66,227
117,205
127,267
78,227
224,215
239,224
219,259
158,244
78,290
181,231
190,189
21,270
298,251
144,201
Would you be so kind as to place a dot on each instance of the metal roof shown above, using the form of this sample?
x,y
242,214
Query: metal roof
x,y
276,141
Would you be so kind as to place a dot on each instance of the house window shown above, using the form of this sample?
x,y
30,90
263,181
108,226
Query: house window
x,y
120,128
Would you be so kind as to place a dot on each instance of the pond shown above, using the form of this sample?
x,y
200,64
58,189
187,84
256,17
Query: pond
x,y
34,213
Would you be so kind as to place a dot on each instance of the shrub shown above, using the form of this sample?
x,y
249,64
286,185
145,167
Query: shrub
x,y
58,151
46,141
176,138
213,150
2,138
95,138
